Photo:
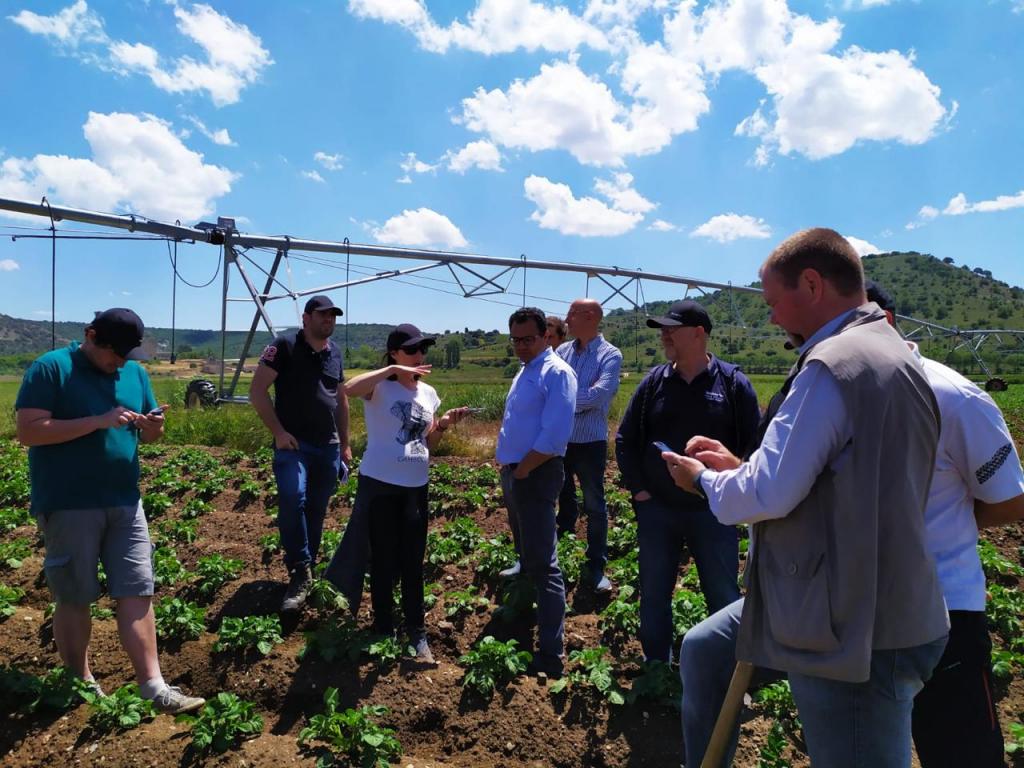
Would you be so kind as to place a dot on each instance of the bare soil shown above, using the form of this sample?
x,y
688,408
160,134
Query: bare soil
x,y
439,724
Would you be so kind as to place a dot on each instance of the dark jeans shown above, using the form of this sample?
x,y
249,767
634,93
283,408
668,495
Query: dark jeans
x,y
398,539
955,721
586,461
306,479
661,533
531,516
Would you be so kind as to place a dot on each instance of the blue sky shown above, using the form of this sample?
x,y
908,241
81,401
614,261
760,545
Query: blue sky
x,y
674,136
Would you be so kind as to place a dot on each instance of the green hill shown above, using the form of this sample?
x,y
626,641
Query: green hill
x,y
924,287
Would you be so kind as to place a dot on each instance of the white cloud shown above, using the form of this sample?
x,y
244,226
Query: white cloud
x,y
857,5
477,154
330,162
313,176
660,225
137,164
69,27
959,206
727,227
8,265
494,26
413,165
219,136
560,210
235,57
564,108
622,195
620,12
420,228
863,247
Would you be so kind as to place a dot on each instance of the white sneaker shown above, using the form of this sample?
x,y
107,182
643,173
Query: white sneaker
x,y
511,573
172,701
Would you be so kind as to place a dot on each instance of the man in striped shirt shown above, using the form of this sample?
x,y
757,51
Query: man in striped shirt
x,y
596,363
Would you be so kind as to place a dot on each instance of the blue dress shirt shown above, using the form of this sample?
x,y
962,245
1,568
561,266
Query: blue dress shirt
x,y
597,377
538,410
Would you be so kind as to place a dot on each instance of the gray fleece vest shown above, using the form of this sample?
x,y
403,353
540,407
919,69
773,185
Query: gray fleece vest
x,y
847,571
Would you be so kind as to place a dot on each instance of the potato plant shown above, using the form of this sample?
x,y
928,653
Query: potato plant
x,y
492,663
351,737
249,633
222,722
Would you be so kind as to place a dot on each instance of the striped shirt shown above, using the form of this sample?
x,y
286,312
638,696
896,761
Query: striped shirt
x,y
597,375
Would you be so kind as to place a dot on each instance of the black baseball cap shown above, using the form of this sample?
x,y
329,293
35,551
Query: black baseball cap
x,y
880,296
320,304
121,330
408,335
686,312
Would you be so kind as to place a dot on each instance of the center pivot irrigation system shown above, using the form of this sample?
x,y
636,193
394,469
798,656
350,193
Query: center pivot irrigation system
x,y
475,275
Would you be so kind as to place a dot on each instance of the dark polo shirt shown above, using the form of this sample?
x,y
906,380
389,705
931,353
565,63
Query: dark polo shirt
x,y
666,408
306,387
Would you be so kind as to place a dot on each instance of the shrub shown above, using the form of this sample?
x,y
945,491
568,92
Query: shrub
x,y
247,633
590,668
167,569
214,571
491,663
122,710
351,735
222,722
179,619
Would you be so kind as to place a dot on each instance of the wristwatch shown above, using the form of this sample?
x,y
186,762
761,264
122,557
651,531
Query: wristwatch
x,y
697,485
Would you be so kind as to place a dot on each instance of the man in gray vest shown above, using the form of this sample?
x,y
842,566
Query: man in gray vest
x,y
842,594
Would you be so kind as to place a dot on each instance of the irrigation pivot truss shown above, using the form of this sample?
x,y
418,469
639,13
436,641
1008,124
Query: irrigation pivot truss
x,y
475,275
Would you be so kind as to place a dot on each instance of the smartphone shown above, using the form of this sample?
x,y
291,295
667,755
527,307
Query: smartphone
x,y
661,446
474,411
158,411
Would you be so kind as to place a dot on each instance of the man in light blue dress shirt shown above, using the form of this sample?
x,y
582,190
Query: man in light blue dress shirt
x,y
596,363
534,433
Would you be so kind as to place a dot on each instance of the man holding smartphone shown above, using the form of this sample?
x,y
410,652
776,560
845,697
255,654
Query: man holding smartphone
x,y
82,411
692,392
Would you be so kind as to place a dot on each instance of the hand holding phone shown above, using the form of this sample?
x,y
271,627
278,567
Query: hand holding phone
x,y
158,411
662,447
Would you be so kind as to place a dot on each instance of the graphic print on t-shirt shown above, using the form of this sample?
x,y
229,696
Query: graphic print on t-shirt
x,y
415,423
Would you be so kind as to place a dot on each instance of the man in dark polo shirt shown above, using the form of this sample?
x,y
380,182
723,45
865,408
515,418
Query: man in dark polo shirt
x,y
693,391
309,421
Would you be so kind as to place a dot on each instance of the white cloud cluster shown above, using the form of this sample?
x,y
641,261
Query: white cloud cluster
x,y
660,225
862,247
494,26
559,209
477,154
959,206
820,101
421,228
330,162
68,27
727,227
234,57
313,176
411,164
138,164
219,136
8,265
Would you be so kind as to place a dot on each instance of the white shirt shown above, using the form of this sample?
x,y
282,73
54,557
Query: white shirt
x,y
397,423
976,459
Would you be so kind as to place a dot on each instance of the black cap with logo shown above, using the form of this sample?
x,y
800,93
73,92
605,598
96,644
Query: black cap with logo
x,y
321,304
121,330
686,312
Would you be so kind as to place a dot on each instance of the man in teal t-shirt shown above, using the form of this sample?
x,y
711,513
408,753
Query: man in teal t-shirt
x,y
82,411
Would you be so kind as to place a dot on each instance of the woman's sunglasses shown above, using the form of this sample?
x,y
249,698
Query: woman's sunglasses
x,y
423,346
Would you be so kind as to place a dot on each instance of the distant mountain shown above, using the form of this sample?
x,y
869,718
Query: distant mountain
x,y
924,287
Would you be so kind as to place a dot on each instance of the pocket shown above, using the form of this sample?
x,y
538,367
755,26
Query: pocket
x,y
796,598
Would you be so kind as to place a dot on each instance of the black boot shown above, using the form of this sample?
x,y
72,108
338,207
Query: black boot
x,y
298,588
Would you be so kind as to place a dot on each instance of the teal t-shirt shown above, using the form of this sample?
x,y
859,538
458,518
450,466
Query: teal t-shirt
x,y
100,469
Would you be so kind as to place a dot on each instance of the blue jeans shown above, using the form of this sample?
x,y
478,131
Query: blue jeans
x,y
531,516
306,480
586,461
661,533
846,725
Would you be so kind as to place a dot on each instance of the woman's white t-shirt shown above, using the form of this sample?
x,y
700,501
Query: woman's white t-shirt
x,y
397,422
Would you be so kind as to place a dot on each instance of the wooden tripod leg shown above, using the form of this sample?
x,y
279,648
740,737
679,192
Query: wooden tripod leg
x,y
727,715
